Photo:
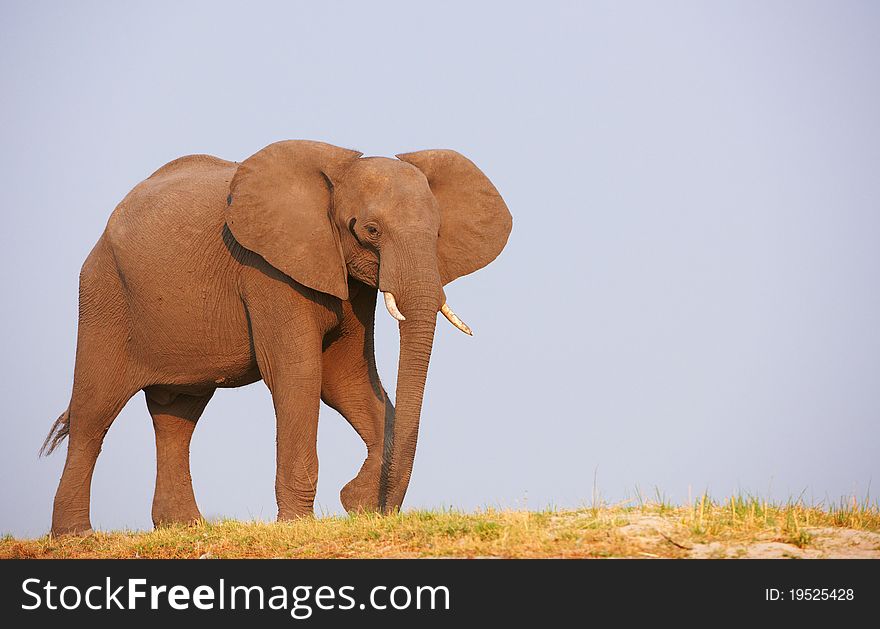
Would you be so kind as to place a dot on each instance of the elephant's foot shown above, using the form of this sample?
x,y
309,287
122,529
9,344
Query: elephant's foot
x,y
82,529
296,506
173,504
184,517
361,494
291,515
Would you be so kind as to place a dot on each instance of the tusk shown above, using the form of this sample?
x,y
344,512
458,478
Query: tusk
x,y
392,307
454,320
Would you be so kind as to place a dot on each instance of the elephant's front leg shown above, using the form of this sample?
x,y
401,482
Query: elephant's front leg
x,y
350,384
297,398
288,353
366,407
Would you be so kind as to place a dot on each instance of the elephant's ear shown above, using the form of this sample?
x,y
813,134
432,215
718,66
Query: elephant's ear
x,y
279,205
474,220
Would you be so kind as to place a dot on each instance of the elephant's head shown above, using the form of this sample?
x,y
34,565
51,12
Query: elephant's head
x,y
406,226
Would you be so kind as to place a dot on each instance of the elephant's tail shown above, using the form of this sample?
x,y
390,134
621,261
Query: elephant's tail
x,y
57,434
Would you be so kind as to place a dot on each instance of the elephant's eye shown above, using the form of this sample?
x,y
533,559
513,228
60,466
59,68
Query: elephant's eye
x,y
372,230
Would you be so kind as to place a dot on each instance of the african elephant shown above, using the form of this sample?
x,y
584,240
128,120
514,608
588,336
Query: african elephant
x,y
213,273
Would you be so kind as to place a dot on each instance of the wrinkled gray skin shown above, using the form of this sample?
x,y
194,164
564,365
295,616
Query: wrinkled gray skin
x,y
217,274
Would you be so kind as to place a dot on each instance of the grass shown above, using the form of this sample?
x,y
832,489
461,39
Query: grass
x,y
653,528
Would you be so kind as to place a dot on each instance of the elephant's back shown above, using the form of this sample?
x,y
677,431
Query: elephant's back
x,y
187,194
179,276
193,164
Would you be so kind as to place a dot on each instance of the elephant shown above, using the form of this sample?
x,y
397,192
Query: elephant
x,y
215,274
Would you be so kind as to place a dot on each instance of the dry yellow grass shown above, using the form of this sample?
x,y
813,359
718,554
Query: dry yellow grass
x,y
738,527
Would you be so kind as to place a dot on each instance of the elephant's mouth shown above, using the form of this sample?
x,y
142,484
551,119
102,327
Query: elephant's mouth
x,y
449,313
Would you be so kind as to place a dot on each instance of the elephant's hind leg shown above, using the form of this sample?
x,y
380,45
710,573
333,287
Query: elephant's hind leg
x,y
174,420
101,387
104,379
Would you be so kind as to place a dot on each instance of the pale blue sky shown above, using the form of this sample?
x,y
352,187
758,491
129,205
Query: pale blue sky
x,y
689,297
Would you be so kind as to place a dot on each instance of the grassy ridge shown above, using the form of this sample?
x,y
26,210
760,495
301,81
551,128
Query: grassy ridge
x,y
740,526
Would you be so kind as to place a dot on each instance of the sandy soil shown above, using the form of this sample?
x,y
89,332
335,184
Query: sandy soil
x,y
823,543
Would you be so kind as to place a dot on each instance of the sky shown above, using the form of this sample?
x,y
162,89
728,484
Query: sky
x,y
688,301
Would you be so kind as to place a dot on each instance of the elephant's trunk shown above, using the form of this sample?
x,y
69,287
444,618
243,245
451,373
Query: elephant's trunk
x,y
416,340
414,281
